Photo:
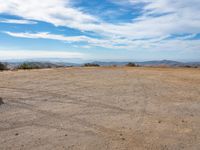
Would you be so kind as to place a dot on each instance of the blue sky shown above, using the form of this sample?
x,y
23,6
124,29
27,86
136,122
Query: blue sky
x,y
134,30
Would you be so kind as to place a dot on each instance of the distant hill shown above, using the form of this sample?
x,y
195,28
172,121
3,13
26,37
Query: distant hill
x,y
110,63
14,65
161,63
169,63
41,64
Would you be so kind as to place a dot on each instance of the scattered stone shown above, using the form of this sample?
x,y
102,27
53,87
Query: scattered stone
x,y
123,139
1,101
120,134
66,135
16,134
164,147
159,121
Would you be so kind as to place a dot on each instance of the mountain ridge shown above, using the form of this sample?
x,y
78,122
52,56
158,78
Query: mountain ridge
x,y
44,64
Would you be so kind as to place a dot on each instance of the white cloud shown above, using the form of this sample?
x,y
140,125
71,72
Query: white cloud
x,y
46,35
30,54
183,17
57,12
161,43
160,18
70,39
15,21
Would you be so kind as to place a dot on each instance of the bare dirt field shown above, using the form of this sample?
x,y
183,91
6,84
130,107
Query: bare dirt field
x,y
100,109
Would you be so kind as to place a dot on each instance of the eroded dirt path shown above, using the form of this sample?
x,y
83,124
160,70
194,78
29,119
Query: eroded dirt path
x,y
100,109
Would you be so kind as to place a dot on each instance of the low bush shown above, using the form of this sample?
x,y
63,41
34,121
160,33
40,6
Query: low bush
x,y
1,101
3,66
131,64
91,65
28,66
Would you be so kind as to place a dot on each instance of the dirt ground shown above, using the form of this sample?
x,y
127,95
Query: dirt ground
x,y
100,109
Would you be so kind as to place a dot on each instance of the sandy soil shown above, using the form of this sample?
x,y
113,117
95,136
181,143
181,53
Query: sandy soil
x,y
100,109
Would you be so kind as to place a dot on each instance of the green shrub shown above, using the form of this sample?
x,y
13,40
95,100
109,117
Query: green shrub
x,y
131,64
91,65
28,66
3,66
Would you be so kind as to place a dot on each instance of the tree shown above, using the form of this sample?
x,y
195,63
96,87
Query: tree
x,y
29,66
91,65
131,64
3,66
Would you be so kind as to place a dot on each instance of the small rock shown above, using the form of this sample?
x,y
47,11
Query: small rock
x,y
1,101
159,121
123,139
66,135
16,134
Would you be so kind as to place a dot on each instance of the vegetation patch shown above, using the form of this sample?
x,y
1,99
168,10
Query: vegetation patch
x,y
38,65
1,101
91,65
131,64
29,66
3,66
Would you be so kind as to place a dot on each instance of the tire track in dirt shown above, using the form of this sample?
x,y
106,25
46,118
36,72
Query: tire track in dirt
x,y
54,116
143,103
90,127
72,100
96,129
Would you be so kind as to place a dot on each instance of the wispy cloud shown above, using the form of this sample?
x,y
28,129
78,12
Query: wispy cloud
x,y
30,54
181,18
57,12
15,21
164,43
46,35
70,39
161,18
